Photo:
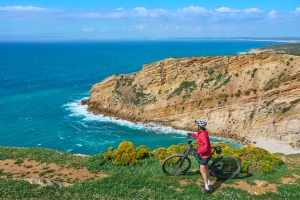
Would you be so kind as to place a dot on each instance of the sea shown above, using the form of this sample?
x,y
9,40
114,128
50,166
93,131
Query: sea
x,y
42,83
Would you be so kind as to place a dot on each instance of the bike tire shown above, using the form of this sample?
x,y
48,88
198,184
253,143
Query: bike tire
x,y
225,167
176,165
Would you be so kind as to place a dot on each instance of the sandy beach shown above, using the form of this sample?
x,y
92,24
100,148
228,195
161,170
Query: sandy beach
x,y
274,146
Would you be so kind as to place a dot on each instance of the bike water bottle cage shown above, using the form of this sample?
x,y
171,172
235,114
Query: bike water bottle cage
x,y
218,149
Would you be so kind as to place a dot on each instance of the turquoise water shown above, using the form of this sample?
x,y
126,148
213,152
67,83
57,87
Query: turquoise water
x,y
42,83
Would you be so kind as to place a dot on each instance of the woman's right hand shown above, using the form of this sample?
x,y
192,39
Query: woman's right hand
x,y
188,135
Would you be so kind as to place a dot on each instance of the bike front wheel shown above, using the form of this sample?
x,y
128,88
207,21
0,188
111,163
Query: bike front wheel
x,y
176,165
225,167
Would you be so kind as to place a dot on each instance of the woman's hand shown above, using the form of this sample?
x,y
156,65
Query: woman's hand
x,y
188,135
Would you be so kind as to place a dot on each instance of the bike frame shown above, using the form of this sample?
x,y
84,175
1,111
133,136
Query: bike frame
x,y
194,152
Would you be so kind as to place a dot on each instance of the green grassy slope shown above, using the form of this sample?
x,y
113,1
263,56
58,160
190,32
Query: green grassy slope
x,y
144,180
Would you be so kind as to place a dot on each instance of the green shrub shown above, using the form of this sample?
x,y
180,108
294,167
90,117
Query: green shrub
x,y
265,167
125,154
227,150
227,80
261,160
253,72
247,93
142,152
177,148
161,153
245,166
239,93
184,86
109,155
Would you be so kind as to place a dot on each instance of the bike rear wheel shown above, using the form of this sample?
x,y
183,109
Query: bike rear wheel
x,y
176,165
225,167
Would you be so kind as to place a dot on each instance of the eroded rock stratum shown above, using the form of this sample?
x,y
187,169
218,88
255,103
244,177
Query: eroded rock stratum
x,y
241,96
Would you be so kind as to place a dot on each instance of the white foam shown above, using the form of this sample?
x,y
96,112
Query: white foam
x,y
79,145
78,110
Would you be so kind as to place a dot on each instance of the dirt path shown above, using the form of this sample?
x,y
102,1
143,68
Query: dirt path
x,y
35,172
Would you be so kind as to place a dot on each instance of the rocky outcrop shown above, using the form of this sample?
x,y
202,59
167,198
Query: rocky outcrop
x,y
240,96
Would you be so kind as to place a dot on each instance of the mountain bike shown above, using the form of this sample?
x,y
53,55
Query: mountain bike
x,y
222,167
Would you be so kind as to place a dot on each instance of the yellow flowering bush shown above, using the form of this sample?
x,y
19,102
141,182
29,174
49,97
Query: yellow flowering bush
x,y
125,154
177,148
161,153
259,160
142,152
252,158
109,155
227,150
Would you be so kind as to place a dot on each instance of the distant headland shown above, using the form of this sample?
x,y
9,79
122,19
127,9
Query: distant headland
x,y
244,97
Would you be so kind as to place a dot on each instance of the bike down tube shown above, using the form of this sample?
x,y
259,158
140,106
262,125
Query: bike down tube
x,y
180,161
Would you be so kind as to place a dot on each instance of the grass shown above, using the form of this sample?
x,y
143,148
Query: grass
x,y
41,155
142,181
43,173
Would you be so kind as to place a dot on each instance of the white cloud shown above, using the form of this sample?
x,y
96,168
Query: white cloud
x,y
226,10
297,10
192,10
119,9
21,8
143,12
182,13
252,10
272,14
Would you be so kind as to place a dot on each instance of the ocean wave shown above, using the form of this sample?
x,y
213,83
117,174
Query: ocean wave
x,y
78,110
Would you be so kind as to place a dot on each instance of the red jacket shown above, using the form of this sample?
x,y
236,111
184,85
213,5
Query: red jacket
x,y
204,148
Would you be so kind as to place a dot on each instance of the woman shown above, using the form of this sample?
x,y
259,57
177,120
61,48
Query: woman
x,y
204,150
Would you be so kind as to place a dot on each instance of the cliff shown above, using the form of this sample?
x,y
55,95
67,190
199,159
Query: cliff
x,y
242,97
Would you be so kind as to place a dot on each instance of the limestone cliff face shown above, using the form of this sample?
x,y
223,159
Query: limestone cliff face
x,y
240,96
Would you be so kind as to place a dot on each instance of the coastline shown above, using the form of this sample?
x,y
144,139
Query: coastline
x,y
274,146
271,145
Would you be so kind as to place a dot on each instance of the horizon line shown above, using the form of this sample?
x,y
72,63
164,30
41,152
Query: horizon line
x,y
271,39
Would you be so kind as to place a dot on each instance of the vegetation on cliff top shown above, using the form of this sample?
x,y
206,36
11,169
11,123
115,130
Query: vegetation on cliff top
x,y
253,159
291,49
144,179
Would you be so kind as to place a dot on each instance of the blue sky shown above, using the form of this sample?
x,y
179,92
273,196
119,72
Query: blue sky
x,y
147,19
